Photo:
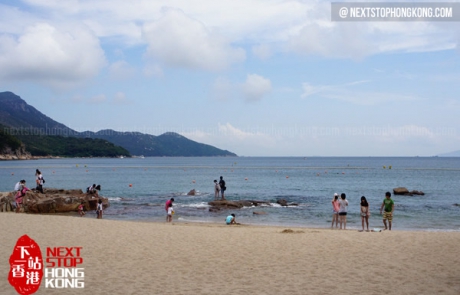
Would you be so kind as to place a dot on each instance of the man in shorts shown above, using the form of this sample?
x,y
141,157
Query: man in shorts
x,y
389,208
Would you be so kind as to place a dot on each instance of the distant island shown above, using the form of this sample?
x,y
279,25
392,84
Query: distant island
x,y
451,154
25,132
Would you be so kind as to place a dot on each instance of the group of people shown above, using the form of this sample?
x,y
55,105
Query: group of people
x,y
219,187
340,208
20,188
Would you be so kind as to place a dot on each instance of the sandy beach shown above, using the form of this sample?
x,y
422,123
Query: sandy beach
x,y
122,257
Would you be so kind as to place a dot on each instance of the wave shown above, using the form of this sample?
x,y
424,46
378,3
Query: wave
x,y
195,205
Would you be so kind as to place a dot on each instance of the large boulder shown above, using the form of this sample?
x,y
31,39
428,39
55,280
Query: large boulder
x,y
405,192
400,191
52,201
282,202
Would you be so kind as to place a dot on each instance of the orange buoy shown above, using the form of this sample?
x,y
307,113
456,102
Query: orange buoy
x,y
246,178
12,173
130,185
193,181
287,176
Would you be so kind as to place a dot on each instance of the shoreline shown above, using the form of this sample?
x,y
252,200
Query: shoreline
x,y
141,257
250,224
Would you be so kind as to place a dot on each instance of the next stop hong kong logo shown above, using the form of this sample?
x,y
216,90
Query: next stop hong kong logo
x,y
61,268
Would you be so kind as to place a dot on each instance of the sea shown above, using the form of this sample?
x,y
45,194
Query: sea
x,y
137,188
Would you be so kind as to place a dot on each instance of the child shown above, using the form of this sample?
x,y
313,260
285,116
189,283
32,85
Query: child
x,y
170,212
20,194
365,213
80,209
335,211
231,219
99,209
343,211
216,190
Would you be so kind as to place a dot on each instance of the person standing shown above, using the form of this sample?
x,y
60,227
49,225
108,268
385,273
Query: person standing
x,y
365,213
335,211
343,203
216,190
81,208
20,195
170,213
168,202
389,208
99,209
39,180
222,187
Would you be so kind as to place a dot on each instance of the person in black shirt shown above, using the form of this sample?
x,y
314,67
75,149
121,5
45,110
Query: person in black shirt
x,y
222,187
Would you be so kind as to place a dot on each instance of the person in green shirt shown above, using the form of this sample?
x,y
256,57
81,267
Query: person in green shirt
x,y
389,208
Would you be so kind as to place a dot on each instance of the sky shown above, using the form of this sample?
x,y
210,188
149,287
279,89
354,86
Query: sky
x,y
255,77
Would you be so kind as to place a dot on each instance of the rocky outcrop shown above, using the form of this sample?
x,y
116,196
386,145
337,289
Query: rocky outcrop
x,y
52,201
18,154
259,213
282,202
220,205
191,192
405,192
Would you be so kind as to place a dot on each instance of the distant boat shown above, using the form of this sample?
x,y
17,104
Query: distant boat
x,y
142,157
121,157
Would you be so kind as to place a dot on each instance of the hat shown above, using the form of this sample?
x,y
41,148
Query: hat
x,y
336,194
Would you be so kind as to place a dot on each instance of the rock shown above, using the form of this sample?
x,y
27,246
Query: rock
x,y
52,201
259,213
219,205
405,192
191,193
282,202
400,191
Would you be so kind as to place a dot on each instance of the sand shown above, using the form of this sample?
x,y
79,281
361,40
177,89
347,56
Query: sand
x,y
123,257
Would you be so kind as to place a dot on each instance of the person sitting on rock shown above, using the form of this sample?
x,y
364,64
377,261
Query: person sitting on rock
x,y
93,189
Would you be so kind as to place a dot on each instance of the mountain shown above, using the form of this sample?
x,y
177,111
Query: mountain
x,y
27,120
451,154
42,135
169,144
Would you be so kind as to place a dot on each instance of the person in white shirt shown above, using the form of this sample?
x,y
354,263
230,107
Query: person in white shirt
x,y
216,190
343,203
170,213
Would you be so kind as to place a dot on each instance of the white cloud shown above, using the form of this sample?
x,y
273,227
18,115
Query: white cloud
x,y
256,87
346,92
121,70
180,41
262,51
153,71
46,54
120,98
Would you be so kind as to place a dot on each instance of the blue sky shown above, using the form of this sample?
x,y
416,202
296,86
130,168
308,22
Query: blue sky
x,y
256,77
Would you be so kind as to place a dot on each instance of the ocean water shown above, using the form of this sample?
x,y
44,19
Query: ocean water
x,y
310,182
